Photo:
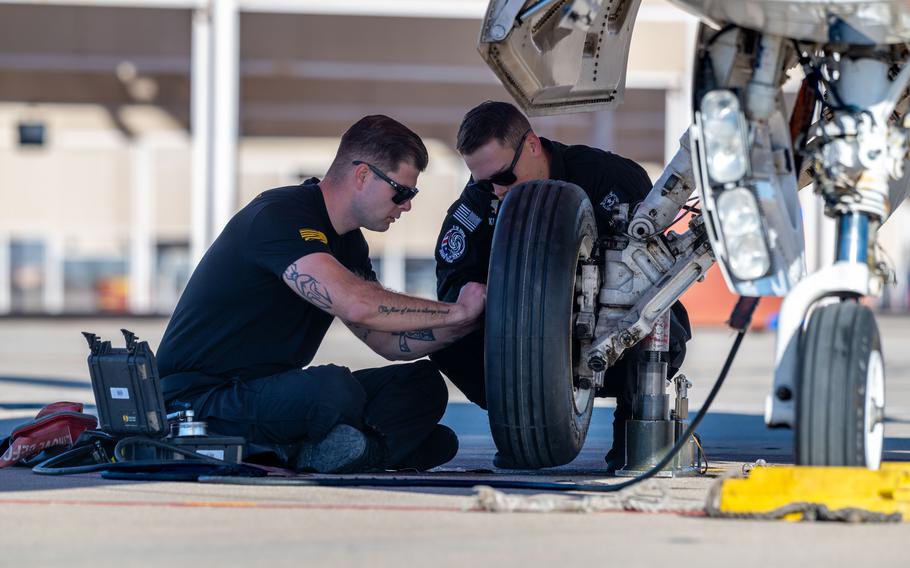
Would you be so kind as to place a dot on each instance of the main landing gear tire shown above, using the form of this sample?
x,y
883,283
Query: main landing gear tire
x,y
539,411
841,390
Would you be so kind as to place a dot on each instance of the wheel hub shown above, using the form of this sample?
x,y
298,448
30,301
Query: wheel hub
x,y
874,430
583,388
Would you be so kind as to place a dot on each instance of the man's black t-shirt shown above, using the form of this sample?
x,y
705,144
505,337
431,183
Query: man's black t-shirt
x,y
466,236
237,316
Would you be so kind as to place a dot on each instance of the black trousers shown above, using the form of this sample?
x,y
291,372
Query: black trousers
x,y
398,404
463,363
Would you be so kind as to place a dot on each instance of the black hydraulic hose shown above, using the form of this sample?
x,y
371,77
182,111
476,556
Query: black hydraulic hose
x,y
47,467
140,441
513,484
50,467
740,320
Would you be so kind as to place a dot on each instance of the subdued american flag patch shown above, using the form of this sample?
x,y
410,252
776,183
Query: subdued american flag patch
x,y
467,217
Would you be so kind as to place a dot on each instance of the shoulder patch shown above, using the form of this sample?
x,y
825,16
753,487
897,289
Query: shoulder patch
x,y
466,217
453,244
610,200
313,235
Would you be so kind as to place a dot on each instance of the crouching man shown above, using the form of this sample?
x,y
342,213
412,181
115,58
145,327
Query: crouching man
x,y
501,150
261,300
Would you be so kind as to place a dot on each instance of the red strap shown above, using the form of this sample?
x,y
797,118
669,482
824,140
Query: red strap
x,y
60,407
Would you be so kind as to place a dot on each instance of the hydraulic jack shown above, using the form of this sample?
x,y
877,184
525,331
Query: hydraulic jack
x,y
655,427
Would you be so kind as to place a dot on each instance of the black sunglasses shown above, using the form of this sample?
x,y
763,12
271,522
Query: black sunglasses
x,y
507,176
402,192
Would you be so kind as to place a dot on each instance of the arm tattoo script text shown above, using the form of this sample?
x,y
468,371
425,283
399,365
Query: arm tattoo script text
x,y
388,310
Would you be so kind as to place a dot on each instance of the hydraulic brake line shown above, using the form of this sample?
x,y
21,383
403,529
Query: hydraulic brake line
x,y
740,320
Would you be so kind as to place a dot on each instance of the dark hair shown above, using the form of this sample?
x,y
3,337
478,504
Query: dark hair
x,y
381,141
491,120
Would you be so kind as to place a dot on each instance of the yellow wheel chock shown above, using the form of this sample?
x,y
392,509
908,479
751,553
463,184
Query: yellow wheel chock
x,y
817,493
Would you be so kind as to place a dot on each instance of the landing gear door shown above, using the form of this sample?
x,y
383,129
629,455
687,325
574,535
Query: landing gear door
x,y
560,56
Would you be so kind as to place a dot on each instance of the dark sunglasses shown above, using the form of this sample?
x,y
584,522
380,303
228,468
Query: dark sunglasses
x,y
402,192
507,176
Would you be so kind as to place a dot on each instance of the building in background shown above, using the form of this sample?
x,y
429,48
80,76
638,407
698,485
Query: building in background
x,y
99,162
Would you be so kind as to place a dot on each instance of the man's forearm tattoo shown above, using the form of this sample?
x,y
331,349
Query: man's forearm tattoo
x,y
419,335
309,288
388,310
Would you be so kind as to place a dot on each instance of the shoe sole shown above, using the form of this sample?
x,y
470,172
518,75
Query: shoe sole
x,y
340,451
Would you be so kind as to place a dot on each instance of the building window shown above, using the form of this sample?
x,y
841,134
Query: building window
x,y
27,276
96,285
173,263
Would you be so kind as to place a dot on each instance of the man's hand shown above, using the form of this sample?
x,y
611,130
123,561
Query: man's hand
x,y
473,297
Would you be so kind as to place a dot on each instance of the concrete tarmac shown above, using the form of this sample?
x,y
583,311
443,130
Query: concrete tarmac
x,y
83,520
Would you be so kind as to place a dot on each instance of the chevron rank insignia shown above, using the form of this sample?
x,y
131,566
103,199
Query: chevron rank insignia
x,y
313,235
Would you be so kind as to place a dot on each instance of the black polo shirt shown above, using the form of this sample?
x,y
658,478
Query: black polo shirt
x,y
466,237
237,316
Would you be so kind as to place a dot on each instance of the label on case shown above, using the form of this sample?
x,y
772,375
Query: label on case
x,y
120,393
217,454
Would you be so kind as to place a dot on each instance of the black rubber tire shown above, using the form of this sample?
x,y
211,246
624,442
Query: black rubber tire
x,y
540,230
835,354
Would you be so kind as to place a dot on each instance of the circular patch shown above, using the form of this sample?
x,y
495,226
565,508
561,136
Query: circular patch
x,y
453,244
609,201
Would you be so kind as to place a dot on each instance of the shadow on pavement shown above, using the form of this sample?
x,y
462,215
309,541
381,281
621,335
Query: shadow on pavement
x,y
726,437
46,382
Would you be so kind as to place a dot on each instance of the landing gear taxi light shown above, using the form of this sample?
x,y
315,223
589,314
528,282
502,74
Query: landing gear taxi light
x,y
725,137
740,221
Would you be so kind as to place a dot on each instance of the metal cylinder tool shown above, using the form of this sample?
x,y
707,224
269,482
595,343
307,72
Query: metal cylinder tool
x,y
654,426
651,400
183,423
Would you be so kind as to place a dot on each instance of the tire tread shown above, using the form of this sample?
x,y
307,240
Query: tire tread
x,y
834,349
520,387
